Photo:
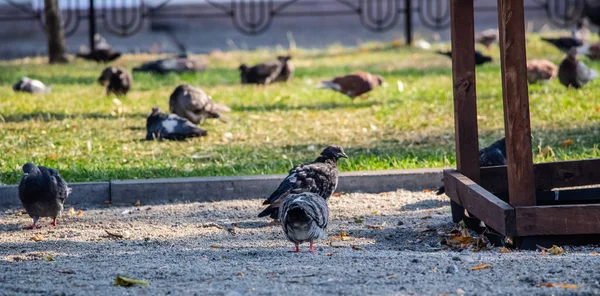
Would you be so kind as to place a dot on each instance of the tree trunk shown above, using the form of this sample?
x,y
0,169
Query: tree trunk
x,y
57,46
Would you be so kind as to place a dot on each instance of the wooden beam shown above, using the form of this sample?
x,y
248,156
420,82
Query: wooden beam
x,y
547,175
511,21
558,220
494,212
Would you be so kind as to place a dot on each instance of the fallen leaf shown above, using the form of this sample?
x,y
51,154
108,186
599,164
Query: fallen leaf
x,y
37,238
558,285
427,190
396,43
374,213
481,266
128,282
555,250
329,254
71,211
504,250
594,253
215,247
240,274
53,156
137,203
566,143
357,248
49,258
338,194
378,227
80,212
358,220
391,276
460,291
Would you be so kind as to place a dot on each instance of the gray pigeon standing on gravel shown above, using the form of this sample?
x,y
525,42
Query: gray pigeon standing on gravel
x,y
161,126
492,155
304,218
42,192
116,79
195,105
319,176
573,72
31,86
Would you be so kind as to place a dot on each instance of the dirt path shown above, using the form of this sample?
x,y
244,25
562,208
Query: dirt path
x,y
222,248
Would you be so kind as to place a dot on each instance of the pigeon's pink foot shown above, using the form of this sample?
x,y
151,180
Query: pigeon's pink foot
x,y
33,226
296,251
53,222
311,249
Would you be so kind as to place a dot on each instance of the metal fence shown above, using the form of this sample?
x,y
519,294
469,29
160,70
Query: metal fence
x,y
253,17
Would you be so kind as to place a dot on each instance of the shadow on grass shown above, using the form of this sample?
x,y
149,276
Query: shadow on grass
x,y
323,106
54,116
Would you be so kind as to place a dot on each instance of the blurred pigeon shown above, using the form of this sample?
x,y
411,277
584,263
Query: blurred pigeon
x,y
582,30
319,176
304,217
593,51
540,71
42,192
353,85
573,72
487,37
100,42
480,59
564,43
31,86
100,55
161,126
492,155
267,73
180,64
195,105
116,79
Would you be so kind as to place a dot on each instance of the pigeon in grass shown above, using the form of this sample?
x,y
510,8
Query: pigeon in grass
x,y
564,43
487,37
480,59
492,155
353,85
42,192
540,71
319,177
195,105
574,73
267,73
161,126
304,217
103,55
31,86
116,80
179,64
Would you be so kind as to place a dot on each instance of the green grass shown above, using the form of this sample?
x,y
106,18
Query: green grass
x,y
76,130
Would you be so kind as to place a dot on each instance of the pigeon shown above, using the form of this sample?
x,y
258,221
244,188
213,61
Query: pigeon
x,y
42,192
100,55
161,126
582,29
179,64
319,176
31,86
540,71
116,79
480,59
100,42
267,73
195,105
353,85
304,217
593,51
492,155
573,72
564,43
487,37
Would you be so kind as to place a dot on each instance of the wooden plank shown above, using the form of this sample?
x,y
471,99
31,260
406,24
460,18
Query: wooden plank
x,y
462,26
511,21
558,220
547,176
494,212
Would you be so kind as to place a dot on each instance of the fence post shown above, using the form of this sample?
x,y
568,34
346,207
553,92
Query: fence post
x,y
408,21
92,23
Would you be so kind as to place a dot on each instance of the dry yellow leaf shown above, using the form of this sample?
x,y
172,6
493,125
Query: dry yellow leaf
x,y
71,211
504,250
215,247
566,143
80,212
37,238
52,156
558,285
594,253
338,194
49,258
137,203
128,282
556,250
481,266
374,213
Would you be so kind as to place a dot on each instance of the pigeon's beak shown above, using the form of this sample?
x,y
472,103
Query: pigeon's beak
x,y
343,155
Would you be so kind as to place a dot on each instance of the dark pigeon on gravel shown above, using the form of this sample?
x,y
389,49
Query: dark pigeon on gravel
x,y
161,126
574,73
31,86
42,192
117,80
492,155
179,64
267,73
319,176
195,105
480,58
564,43
304,217
103,55
353,85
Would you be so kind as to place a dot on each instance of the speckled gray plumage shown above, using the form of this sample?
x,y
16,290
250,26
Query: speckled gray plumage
x,y
161,126
319,177
574,73
195,105
42,191
304,217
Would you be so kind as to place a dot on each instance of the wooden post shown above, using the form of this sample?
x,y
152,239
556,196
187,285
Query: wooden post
x,y
465,98
92,24
408,27
511,23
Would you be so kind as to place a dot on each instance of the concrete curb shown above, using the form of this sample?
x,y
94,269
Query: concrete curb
x,y
126,192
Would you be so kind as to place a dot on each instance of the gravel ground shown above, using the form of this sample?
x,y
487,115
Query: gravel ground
x,y
392,247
